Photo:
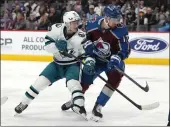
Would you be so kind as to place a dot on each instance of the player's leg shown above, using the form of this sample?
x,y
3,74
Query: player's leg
x,y
73,83
49,75
86,81
114,79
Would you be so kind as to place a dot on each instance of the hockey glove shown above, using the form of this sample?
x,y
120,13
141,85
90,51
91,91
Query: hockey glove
x,y
61,45
89,67
115,61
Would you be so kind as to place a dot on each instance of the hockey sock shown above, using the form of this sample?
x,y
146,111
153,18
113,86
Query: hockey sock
x,y
40,84
77,95
104,96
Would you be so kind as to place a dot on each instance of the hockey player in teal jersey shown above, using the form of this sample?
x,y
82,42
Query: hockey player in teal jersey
x,y
61,38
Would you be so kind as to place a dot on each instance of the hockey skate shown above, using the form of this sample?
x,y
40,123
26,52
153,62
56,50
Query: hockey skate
x,y
96,113
80,111
66,105
20,108
77,109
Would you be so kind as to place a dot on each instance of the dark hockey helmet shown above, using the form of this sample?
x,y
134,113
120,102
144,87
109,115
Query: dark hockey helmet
x,y
113,12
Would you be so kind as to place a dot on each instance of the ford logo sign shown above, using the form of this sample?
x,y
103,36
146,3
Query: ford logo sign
x,y
148,44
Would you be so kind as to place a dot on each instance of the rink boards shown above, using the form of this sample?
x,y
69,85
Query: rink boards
x,y
146,48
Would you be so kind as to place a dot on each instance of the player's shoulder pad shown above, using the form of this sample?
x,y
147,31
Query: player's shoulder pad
x,y
120,31
57,26
94,24
81,33
54,30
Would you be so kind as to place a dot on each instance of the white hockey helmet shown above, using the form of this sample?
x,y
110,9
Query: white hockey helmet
x,y
70,17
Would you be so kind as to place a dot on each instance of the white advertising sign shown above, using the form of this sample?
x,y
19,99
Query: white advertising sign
x,y
27,43
143,45
149,45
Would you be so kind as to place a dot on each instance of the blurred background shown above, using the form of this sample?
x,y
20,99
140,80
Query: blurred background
x,y
138,15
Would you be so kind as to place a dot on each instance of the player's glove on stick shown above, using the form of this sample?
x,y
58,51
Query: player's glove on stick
x,y
89,67
61,45
115,61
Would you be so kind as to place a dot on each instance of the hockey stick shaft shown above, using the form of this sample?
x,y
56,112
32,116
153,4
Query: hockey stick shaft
x,y
146,107
146,89
136,105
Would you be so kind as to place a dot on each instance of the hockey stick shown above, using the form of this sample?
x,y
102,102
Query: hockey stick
x,y
146,88
140,107
3,100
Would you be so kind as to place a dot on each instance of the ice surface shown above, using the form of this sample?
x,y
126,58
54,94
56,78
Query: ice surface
x,y
45,110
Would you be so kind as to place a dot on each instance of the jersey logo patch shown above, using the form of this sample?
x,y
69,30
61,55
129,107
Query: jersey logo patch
x,y
81,34
92,20
58,25
102,48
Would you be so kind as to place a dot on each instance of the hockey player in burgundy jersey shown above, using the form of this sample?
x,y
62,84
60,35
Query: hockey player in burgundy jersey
x,y
106,38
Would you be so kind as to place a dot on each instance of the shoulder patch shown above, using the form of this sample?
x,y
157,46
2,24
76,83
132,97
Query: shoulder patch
x,y
81,34
93,20
58,25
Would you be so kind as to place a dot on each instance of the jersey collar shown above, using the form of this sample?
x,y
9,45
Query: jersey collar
x,y
99,23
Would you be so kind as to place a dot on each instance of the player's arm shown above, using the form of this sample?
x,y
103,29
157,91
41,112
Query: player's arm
x,y
50,40
88,28
53,44
88,57
88,42
50,46
116,60
124,47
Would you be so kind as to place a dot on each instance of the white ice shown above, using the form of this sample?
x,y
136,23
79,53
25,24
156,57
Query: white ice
x,y
45,110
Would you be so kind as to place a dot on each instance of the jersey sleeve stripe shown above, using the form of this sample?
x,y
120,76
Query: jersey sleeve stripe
x,y
49,38
114,34
48,42
92,30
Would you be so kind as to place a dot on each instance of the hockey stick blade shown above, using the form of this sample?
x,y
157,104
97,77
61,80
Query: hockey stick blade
x,y
146,89
3,100
140,107
149,106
